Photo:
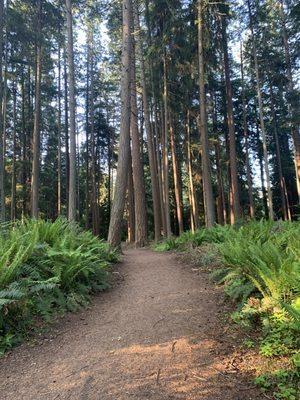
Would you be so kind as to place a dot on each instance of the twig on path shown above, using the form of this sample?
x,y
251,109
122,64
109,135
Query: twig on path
x,y
173,346
158,376
268,397
157,322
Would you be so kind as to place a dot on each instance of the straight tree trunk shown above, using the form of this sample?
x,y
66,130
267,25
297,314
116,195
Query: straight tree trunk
x,y
261,117
24,148
291,106
236,215
137,166
209,206
72,108
195,223
245,127
284,201
165,151
149,133
95,208
13,172
67,152
131,207
115,226
158,134
37,119
2,160
177,179
87,128
4,100
222,217
59,191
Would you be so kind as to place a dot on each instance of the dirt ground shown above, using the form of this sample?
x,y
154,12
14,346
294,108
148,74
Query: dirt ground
x,y
158,334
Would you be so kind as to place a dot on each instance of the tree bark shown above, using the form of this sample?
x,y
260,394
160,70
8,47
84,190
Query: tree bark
x,y
2,161
131,207
245,127
195,222
87,128
149,133
291,106
284,201
95,209
59,191
177,179
236,215
261,117
13,172
115,226
37,119
209,206
72,108
137,166
66,127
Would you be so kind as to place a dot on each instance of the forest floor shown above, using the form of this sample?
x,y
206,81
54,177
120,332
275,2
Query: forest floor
x,y
161,332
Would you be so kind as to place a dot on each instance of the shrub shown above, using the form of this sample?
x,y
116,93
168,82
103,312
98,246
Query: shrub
x,y
46,267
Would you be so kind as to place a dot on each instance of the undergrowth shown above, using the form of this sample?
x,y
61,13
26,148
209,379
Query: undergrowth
x,y
261,272
46,268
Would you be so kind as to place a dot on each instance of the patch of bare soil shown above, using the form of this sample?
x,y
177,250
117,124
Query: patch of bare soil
x,y
158,334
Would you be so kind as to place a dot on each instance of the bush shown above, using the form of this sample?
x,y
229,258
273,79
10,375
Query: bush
x,y
46,267
261,272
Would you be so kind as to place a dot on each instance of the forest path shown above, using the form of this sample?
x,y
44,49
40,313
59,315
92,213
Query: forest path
x,y
154,336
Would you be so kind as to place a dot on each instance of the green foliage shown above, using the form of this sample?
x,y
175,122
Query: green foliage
x,y
261,272
44,268
283,383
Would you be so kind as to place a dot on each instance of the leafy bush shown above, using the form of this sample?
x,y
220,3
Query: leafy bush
x,y
261,272
46,267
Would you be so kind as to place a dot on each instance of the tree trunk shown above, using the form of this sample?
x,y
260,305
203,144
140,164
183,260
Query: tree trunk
x,y
2,161
67,154
95,209
13,172
24,148
59,191
131,207
222,217
137,166
177,179
4,100
209,206
245,127
236,215
195,222
261,116
165,151
72,108
291,106
37,119
115,226
87,128
284,201
149,133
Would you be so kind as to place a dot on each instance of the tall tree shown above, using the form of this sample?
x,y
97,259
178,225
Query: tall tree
x,y
149,132
235,214
261,116
35,177
291,96
137,166
115,226
2,165
206,169
72,108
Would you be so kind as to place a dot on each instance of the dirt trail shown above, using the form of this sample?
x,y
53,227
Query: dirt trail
x,y
155,336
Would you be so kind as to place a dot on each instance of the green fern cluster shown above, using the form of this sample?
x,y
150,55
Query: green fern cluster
x,y
261,272
46,267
